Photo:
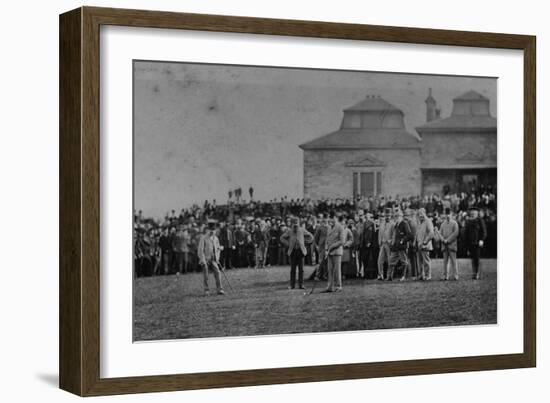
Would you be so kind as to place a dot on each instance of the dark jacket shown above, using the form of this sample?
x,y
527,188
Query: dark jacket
x,y
401,236
475,231
226,238
367,236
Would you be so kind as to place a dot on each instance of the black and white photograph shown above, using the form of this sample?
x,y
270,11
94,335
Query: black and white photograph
x,y
273,200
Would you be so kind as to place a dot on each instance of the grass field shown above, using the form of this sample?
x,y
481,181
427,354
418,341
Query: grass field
x,y
173,307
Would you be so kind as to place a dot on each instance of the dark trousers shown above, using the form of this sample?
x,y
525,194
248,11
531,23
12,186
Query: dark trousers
x,y
273,255
182,261
475,252
296,262
364,259
166,261
242,260
412,254
226,257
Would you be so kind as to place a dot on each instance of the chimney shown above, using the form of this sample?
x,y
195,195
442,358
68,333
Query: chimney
x,y
432,112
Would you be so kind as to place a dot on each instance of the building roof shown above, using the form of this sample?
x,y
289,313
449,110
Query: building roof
x,y
373,104
471,96
363,138
466,120
461,123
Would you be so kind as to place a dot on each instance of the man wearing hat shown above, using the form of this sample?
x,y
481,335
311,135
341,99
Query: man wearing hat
x,y
449,235
367,235
336,239
412,251
208,253
424,236
320,243
475,234
401,236
295,239
385,235
180,247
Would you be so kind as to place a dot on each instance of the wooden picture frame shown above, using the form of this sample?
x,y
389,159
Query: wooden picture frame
x,y
79,348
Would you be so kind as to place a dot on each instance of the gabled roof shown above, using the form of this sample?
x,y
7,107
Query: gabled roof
x,y
373,104
363,139
369,161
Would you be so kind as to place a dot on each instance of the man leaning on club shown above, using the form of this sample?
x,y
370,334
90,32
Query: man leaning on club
x,y
208,253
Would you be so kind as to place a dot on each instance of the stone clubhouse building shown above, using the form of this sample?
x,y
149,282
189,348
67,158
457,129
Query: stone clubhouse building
x,y
372,154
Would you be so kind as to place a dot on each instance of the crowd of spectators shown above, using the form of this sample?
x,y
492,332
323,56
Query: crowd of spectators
x,y
249,230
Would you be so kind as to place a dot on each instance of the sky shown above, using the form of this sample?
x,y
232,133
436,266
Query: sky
x,y
201,130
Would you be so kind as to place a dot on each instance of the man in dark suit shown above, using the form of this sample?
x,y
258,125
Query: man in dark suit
x,y
240,237
475,234
295,240
398,247
227,245
366,241
320,244
412,251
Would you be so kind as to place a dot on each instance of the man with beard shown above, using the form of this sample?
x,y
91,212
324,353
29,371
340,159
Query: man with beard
x,y
295,240
475,234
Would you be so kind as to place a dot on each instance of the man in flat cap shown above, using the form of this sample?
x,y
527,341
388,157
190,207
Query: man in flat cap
x,y
475,234
295,239
449,235
208,253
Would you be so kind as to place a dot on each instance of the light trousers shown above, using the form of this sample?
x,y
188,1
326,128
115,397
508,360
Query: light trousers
x,y
334,272
213,266
383,257
424,264
450,255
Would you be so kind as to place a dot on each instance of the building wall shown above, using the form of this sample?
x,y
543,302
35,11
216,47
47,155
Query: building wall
x,y
446,149
327,176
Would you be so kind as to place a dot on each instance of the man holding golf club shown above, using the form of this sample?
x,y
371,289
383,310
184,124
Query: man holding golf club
x,y
208,253
295,240
336,239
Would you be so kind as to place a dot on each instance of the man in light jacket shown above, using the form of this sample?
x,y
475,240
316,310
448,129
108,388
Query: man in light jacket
x,y
449,235
208,253
336,239
295,239
424,236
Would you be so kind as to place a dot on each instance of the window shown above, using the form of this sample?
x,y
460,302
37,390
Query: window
x,y
368,183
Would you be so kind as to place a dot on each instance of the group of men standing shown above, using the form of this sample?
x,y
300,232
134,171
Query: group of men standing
x,y
404,241
400,243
